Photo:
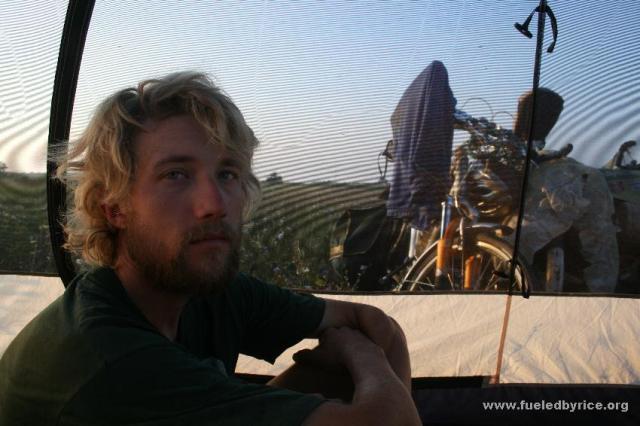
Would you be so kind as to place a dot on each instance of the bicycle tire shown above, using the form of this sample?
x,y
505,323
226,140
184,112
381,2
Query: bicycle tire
x,y
494,254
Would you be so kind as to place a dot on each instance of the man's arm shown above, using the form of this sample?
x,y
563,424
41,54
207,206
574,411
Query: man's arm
x,y
383,330
379,398
364,342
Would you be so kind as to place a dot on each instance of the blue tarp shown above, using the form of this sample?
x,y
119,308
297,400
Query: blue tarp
x,y
422,125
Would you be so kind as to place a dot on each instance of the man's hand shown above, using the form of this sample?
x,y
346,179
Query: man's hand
x,y
329,368
361,358
381,329
338,349
379,395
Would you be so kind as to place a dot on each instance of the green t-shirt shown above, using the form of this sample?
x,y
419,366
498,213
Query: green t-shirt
x,y
91,358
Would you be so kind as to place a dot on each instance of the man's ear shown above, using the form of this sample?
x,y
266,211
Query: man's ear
x,y
114,214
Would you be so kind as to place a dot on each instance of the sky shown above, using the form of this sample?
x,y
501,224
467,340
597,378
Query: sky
x,y
318,81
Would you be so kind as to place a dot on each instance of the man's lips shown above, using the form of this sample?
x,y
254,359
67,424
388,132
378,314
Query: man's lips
x,y
211,234
211,239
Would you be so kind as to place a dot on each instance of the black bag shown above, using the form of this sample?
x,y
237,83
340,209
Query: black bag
x,y
366,244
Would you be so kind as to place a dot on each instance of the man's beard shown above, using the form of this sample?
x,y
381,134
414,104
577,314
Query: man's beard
x,y
177,275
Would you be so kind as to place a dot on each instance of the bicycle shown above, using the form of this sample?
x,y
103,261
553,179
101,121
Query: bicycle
x,y
471,252
469,255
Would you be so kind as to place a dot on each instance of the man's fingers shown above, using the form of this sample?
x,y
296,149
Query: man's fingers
x,y
319,357
336,346
302,356
313,357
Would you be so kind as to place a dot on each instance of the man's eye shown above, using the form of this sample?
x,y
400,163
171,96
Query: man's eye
x,y
228,175
176,175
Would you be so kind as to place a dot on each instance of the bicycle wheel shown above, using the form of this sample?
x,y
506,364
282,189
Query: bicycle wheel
x,y
492,259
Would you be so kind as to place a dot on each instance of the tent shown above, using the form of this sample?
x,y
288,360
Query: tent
x,y
318,82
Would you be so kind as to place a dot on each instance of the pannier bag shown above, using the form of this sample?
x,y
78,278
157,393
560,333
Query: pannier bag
x,y
366,244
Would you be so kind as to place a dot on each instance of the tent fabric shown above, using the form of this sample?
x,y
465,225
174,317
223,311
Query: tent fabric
x,y
22,297
486,60
549,340
586,340
422,125
447,335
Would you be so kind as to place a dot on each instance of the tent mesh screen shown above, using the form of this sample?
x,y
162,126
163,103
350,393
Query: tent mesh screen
x,y
319,83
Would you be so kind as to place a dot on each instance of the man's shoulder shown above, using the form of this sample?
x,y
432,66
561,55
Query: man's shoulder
x,y
97,298
243,289
244,279
73,340
249,292
50,354
89,324
244,283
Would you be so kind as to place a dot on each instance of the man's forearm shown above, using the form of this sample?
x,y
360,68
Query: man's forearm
x,y
308,379
379,389
380,397
398,355
387,333
381,329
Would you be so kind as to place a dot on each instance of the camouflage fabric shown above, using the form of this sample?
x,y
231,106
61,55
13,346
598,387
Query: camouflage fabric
x,y
564,193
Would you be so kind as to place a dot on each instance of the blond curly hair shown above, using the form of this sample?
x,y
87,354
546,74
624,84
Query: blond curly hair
x,y
100,165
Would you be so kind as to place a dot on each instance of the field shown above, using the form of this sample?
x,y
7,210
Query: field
x,y
24,231
286,242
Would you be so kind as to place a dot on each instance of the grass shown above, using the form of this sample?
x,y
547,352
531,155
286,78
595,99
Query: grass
x,y
286,242
24,231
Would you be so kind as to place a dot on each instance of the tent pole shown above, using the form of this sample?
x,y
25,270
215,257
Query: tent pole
x,y
495,379
72,43
542,10
525,289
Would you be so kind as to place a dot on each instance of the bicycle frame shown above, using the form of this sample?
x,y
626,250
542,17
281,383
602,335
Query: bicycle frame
x,y
462,225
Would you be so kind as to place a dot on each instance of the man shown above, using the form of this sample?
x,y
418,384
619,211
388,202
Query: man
x,y
564,194
162,180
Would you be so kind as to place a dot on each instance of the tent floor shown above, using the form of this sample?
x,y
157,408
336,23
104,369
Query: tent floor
x,y
465,401
556,404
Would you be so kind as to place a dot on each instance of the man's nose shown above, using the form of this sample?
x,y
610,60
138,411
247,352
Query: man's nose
x,y
209,200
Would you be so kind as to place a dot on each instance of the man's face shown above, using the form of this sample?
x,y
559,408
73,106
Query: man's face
x,y
183,218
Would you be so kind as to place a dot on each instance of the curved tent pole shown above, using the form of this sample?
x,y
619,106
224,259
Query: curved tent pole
x,y
542,10
72,43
